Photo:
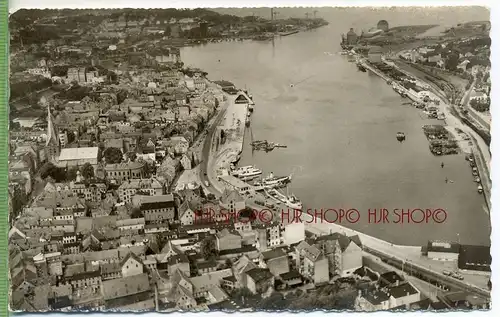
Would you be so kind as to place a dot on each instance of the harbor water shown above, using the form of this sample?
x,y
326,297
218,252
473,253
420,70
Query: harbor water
x,y
340,127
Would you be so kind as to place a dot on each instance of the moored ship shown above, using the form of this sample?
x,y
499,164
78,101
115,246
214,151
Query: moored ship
x,y
272,181
290,201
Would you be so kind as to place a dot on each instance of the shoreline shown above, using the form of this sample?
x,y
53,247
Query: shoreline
x,y
452,123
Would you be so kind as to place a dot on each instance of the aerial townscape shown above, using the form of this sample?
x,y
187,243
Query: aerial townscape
x,y
136,184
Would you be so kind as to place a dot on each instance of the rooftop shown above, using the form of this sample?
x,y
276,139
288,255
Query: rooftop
x,y
81,153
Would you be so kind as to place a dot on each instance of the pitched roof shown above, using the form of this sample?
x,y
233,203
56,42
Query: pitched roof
x,y
402,290
259,274
125,286
272,254
128,256
157,202
230,195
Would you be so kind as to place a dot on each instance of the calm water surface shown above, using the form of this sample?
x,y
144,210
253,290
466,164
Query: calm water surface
x,y
340,126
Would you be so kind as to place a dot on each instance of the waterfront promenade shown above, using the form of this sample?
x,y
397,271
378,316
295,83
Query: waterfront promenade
x,y
479,148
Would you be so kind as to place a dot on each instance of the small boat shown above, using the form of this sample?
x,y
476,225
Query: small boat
x,y
480,189
477,180
400,136
290,201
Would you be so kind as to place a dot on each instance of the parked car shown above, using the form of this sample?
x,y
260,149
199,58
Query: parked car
x,y
269,205
447,273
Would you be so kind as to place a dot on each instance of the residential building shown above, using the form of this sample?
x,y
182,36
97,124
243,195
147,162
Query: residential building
x,y
311,263
259,280
125,171
227,240
158,208
131,265
128,293
148,186
232,202
276,261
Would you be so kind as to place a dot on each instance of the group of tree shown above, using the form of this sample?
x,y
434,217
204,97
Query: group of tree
x,y
480,105
75,93
113,155
27,88
208,248
60,174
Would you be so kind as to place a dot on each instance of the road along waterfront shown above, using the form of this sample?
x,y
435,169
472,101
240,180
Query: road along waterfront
x,y
340,127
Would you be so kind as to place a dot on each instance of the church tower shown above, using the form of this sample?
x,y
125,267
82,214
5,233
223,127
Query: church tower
x,y
53,144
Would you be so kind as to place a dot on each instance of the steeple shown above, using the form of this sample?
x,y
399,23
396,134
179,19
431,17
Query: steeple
x,y
52,145
52,135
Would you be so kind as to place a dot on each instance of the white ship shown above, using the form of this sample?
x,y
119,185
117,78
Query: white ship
x,y
290,201
238,170
247,173
271,182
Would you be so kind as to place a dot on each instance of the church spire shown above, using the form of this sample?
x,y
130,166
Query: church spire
x,y
52,135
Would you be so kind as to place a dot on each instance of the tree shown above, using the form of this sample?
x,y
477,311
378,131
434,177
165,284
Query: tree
x,y
113,155
72,172
87,171
136,213
274,302
121,96
452,61
71,136
50,170
209,248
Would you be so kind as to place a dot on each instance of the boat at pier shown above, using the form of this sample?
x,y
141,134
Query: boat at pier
x,y
249,174
361,67
236,171
400,136
289,200
266,145
272,180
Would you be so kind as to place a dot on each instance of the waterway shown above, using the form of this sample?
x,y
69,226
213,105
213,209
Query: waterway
x,y
340,126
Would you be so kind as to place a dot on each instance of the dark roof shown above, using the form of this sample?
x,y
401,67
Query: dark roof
x,y
436,246
128,256
206,264
402,290
343,240
272,254
290,275
244,249
376,297
474,257
259,274
389,278
230,278
179,258
438,305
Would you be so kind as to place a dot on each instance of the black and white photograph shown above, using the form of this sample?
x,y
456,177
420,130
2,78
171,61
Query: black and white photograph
x,y
249,159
